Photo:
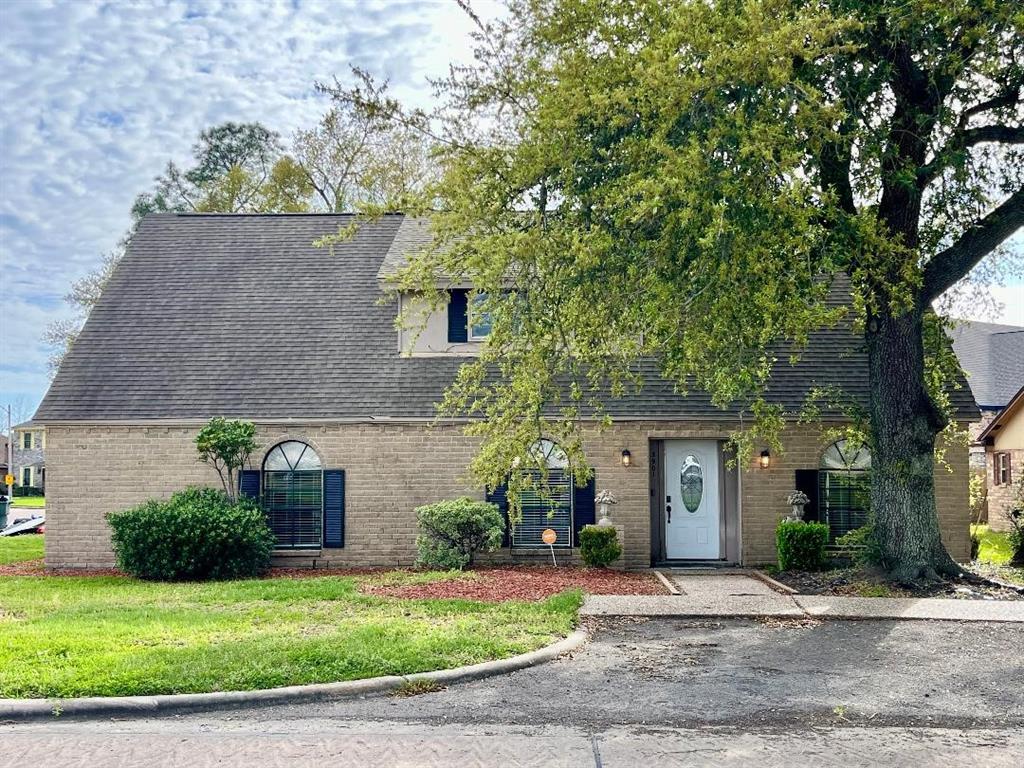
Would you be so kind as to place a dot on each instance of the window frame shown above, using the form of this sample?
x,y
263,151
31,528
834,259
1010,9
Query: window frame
x,y
551,451
26,441
851,481
274,488
1002,468
473,299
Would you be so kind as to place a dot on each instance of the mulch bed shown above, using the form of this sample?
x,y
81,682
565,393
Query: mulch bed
x,y
36,568
861,582
487,584
525,583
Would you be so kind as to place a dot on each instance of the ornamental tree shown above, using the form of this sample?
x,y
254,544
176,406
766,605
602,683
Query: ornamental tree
x,y
687,180
226,446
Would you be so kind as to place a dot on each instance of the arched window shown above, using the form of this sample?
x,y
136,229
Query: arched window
x,y
844,495
293,492
551,508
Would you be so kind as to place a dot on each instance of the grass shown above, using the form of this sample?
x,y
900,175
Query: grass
x,y
18,549
28,501
994,547
107,636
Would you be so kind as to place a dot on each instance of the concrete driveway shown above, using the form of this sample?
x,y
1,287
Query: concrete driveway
x,y
773,691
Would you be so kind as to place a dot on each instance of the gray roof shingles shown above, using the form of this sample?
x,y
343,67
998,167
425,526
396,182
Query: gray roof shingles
x,y
241,316
992,355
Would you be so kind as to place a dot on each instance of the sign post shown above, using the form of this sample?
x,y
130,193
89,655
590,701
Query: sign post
x,y
549,537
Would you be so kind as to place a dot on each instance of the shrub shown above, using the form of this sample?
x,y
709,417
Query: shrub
x,y
801,545
862,545
452,532
197,534
599,545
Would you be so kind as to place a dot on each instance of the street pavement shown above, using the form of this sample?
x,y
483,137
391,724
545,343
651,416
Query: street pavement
x,y
773,691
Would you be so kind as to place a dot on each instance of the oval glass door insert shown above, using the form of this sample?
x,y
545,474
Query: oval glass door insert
x,y
691,483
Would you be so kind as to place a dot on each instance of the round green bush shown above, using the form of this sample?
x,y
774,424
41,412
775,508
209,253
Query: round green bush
x,y
599,545
452,532
801,545
197,534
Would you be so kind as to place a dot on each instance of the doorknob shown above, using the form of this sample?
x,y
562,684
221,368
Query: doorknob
x,y
668,509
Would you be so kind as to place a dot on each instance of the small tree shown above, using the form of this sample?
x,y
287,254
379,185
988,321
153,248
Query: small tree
x,y
225,446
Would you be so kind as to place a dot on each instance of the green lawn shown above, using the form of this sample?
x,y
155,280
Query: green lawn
x,y
28,501
994,548
18,549
106,636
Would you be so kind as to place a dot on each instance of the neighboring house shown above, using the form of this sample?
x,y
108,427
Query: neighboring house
x,y
4,467
30,454
241,316
992,356
1003,442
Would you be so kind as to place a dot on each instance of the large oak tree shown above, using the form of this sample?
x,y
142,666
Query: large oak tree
x,y
685,180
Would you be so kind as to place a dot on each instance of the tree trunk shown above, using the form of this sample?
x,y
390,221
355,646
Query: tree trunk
x,y
904,425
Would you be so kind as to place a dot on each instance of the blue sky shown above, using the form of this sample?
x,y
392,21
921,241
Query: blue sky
x,y
96,97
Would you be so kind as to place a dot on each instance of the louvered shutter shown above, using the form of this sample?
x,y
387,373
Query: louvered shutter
x,y
458,325
584,509
249,483
499,496
806,480
334,508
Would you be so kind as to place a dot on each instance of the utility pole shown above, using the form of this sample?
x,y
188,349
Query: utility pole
x,y
10,454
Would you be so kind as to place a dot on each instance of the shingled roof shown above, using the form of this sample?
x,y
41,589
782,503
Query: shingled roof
x,y
241,316
992,355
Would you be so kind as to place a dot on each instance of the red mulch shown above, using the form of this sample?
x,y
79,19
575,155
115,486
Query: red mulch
x,y
526,583
488,584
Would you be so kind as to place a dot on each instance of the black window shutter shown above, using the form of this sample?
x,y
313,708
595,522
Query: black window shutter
x,y
499,496
334,508
807,481
249,483
584,509
458,327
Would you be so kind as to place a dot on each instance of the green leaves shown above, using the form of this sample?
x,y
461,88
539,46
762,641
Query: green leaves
x,y
226,446
645,186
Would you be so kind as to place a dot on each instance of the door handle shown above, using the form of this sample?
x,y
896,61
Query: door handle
x,y
668,509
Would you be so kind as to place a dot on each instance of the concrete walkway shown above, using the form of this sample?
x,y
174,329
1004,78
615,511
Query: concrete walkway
x,y
740,595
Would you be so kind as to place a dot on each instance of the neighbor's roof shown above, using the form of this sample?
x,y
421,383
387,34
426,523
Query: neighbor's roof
x,y
241,316
1014,407
993,357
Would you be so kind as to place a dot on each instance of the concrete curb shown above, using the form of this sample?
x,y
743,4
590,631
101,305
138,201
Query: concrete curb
x,y
778,586
22,710
667,583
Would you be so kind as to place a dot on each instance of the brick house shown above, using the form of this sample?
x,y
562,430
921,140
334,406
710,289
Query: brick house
x,y
241,316
1003,441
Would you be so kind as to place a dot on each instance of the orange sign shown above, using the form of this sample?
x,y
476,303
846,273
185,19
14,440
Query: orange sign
x,y
549,536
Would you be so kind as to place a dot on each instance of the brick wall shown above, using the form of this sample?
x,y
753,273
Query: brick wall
x,y
391,469
1000,497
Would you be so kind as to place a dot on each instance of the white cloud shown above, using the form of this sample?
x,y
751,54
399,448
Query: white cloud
x,y
97,97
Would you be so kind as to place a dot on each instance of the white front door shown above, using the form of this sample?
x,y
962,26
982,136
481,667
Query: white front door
x,y
691,504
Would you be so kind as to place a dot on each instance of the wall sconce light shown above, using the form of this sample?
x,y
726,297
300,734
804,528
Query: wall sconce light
x,y
627,458
766,459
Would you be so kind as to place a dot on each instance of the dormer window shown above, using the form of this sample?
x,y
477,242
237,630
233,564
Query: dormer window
x,y
467,320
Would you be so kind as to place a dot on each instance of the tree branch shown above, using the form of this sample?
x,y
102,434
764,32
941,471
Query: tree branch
x,y
1004,134
955,262
963,140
